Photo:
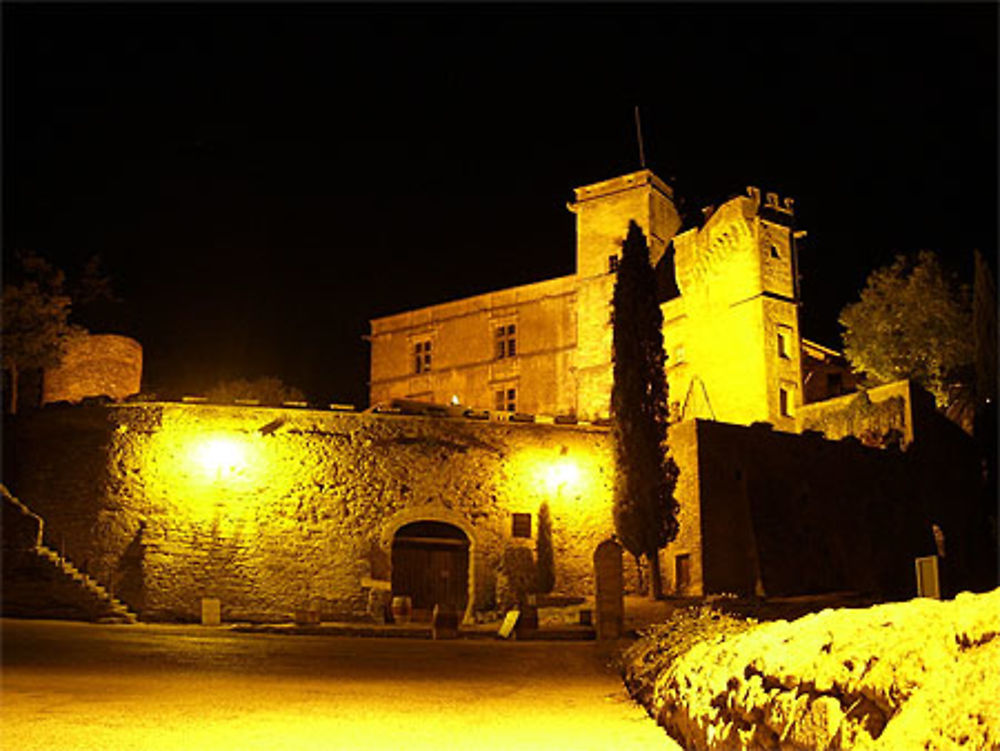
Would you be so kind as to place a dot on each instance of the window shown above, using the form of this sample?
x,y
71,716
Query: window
x,y
774,251
521,525
612,263
506,400
422,356
784,405
783,345
506,341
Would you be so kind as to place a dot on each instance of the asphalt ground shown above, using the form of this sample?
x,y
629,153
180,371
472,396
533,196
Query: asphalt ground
x,y
68,686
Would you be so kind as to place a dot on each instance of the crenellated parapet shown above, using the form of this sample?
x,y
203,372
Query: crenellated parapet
x,y
701,253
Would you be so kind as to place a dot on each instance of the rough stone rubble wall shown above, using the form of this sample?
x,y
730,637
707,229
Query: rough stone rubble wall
x,y
921,674
95,365
309,508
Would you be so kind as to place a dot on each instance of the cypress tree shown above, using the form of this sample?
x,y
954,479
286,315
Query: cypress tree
x,y
645,512
984,331
545,563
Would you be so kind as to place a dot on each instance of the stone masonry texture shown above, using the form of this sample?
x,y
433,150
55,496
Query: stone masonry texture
x,y
273,510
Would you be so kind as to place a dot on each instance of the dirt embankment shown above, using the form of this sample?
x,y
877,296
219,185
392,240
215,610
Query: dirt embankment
x,y
922,674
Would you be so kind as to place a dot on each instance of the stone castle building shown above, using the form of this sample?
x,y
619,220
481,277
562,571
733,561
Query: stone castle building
x,y
782,490
729,298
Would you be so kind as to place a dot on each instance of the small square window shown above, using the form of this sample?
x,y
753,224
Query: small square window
x,y
521,525
784,402
774,251
505,400
783,345
506,341
612,263
422,356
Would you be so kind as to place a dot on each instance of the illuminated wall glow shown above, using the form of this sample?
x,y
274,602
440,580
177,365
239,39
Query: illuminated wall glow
x,y
219,457
204,470
267,510
562,475
580,478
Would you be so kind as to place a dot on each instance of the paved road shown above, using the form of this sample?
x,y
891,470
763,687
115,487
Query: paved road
x,y
69,686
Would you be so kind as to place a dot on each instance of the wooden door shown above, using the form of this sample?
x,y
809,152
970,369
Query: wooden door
x,y
432,572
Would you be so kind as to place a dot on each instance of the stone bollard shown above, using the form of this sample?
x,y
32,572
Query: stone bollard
x,y
609,595
444,623
211,611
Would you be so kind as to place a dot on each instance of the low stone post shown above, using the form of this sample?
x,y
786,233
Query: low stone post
x,y
211,611
609,594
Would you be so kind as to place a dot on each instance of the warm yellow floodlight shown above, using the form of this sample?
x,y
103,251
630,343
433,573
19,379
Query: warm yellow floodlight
x,y
562,475
219,457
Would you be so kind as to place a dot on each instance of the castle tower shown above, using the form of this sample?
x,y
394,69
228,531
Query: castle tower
x,y
738,277
603,211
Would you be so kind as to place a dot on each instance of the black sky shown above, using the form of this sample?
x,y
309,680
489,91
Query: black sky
x,y
261,180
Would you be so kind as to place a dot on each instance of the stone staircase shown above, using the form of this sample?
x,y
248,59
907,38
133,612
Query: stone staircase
x,y
40,583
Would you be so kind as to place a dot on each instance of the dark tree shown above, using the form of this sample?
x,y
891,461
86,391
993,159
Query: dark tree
x,y
95,304
912,321
984,331
545,564
36,327
266,390
645,511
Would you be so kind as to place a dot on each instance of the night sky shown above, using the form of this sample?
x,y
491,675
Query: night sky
x,y
262,180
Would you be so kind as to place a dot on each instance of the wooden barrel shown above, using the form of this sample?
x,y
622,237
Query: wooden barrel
x,y
402,608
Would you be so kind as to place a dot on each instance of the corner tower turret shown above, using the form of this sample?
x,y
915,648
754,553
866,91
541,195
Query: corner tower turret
x,y
738,277
603,211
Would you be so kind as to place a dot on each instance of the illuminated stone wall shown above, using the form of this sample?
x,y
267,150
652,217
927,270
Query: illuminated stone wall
x,y
95,365
270,508
732,338
463,350
871,415
603,211
684,450
740,325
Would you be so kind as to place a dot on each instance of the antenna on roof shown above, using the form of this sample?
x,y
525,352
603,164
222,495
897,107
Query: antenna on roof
x,y
638,134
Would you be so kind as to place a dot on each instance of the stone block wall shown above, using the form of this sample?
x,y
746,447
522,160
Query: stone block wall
x,y
268,509
684,450
812,515
95,365
464,360
873,416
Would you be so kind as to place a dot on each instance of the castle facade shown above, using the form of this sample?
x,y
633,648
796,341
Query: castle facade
x,y
729,298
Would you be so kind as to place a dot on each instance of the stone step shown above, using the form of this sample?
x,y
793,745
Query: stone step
x,y
117,610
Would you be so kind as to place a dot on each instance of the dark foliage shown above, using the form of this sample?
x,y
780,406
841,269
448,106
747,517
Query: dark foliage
x,y
545,567
36,327
645,511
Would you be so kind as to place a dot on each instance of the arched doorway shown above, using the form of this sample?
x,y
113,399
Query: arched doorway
x,y
430,563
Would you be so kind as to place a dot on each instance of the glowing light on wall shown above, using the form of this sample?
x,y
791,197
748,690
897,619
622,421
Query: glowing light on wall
x,y
575,480
221,470
218,457
562,475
